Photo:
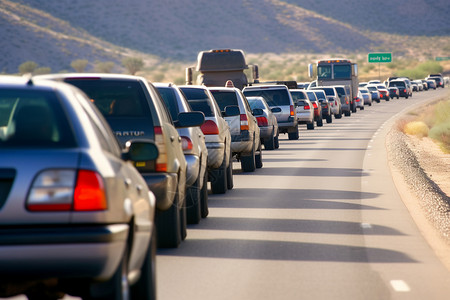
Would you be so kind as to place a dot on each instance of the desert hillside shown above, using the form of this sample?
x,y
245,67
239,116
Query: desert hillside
x,y
54,33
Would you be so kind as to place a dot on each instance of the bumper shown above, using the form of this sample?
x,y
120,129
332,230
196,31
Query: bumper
x,y
193,169
163,186
241,143
215,154
62,252
266,132
289,126
305,118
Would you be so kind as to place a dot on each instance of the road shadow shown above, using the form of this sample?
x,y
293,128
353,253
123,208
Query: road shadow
x,y
284,251
306,172
295,226
292,199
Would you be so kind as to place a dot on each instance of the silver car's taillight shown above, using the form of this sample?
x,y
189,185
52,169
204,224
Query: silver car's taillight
x,y
67,190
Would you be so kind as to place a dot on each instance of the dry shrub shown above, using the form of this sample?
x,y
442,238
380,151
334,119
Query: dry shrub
x,y
417,128
401,123
441,133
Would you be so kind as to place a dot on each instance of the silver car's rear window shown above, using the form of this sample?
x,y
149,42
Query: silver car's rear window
x,y
32,118
198,101
273,97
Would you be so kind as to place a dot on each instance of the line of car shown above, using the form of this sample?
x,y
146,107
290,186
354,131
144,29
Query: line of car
x,y
98,170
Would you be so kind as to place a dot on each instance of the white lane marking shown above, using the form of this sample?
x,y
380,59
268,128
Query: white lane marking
x,y
400,286
366,226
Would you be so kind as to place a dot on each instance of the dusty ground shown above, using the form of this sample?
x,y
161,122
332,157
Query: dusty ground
x,y
421,172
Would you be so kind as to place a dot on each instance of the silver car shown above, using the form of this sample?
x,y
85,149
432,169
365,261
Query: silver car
x,y
303,108
367,96
74,211
217,136
267,122
195,152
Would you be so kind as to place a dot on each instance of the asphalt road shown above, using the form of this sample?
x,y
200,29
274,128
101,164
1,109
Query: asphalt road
x,y
321,220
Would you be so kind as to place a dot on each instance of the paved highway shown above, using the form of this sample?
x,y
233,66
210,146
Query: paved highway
x,y
321,220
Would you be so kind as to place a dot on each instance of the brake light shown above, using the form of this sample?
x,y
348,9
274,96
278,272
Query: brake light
x,y
404,91
67,190
209,127
306,107
262,121
292,110
315,105
161,161
186,143
89,192
244,122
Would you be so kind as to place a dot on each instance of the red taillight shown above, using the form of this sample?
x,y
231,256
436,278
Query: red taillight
x,y
307,107
186,143
292,110
161,161
244,122
262,121
89,192
209,127
404,91
314,105
357,100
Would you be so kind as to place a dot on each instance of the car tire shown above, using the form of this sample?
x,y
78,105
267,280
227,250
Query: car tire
x,y
258,157
361,108
204,196
276,142
183,220
329,119
168,225
398,97
348,113
270,143
248,163
193,205
370,104
116,288
310,126
219,178
339,115
145,287
319,122
293,135
230,182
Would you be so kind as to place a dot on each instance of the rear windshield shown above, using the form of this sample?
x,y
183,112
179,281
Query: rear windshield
x,y
320,95
298,96
364,91
170,100
342,71
397,83
255,103
273,97
33,119
340,91
115,98
199,101
311,96
225,98
328,91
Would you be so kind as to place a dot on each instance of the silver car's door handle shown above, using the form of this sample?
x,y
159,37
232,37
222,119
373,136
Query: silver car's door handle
x,y
127,183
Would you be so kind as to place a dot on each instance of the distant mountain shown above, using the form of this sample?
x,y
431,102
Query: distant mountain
x,y
54,33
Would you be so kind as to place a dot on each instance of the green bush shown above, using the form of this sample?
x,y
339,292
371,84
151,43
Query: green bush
x,y
417,128
27,67
441,133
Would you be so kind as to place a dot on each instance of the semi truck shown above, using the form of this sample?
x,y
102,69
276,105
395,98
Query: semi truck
x,y
216,67
336,72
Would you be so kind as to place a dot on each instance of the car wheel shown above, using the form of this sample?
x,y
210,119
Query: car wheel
x,y
248,163
398,97
294,135
145,287
319,122
347,113
370,104
230,183
116,288
276,142
361,108
204,196
339,115
219,178
258,157
329,119
168,225
269,144
183,220
193,205
310,126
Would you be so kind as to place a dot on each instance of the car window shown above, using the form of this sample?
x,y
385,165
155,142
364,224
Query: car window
x,y
115,98
33,119
340,91
344,71
324,71
224,98
254,103
298,96
198,101
273,97
170,100
311,96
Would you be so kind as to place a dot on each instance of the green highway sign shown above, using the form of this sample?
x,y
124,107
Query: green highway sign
x,y
442,58
380,57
